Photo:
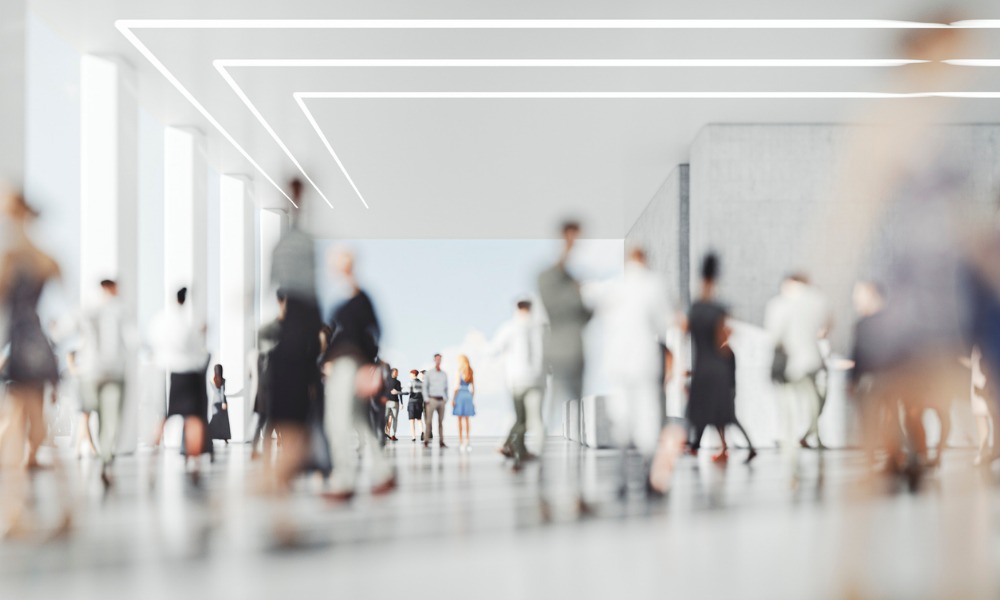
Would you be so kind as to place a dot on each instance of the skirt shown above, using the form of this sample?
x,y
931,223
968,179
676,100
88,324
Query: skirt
x,y
188,395
218,427
416,409
463,405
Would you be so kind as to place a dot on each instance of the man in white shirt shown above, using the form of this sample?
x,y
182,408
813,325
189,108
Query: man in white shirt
x,y
520,341
435,398
106,342
636,313
796,320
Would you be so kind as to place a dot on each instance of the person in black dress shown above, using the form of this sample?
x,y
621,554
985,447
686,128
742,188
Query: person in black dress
x,y
218,426
712,399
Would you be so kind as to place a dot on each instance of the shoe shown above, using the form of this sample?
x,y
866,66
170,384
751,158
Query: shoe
x,y
422,437
442,446
583,509
805,444
413,439
504,450
394,438
385,487
528,456
427,444
335,497
468,448
721,457
751,456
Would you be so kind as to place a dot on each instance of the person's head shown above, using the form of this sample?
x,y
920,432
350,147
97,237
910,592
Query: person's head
x,y
16,208
464,368
710,268
218,373
524,306
182,295
414,373
295,189
324,338
935,44
109,287
637,255
868,298
342,262
570,231
394,373
794,281
437,361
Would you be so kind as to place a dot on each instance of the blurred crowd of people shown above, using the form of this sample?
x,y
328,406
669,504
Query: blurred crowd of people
x,y
325,401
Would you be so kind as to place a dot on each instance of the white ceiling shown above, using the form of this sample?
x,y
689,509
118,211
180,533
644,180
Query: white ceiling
x,y
485,167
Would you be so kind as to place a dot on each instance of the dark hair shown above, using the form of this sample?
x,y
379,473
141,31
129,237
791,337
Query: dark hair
x,y
414,372
798,276
710,267
182,295
296,186
218,371
107,283
437,356
570,226
281,294
524,305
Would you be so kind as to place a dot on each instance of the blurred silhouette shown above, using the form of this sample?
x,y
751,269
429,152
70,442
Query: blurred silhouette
x,y
351,380
564,358
462,404
636,315
267,338
713,380
795,320
106,340
179,348
519,340
30,365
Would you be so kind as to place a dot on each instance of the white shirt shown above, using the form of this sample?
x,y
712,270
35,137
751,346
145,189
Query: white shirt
x,y
520,341
435,384
636,313
795,319
106,340
178,345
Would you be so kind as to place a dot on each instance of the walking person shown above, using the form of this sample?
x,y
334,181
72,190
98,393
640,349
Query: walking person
x,y
981,403
179,348
106,342
392,405
350,369
519,340
462,402
435,392
712,399
415,405
796,320
564,358
267,339
218,426
30,364
636,314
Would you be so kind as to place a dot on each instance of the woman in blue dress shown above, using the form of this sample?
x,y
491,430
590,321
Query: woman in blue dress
x,y
461,402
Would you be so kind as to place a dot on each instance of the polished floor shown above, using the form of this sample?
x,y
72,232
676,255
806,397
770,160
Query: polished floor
x,y
464,526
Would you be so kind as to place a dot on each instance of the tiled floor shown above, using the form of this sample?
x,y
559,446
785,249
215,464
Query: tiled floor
x,y
465,526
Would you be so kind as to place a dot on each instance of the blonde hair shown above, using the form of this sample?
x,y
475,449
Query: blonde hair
x,y
464,368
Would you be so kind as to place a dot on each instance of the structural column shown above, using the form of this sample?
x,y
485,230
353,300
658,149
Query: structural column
x,y
13,71
236,296
185,218
109,187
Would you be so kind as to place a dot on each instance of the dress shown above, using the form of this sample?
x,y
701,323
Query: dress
x,y
31,360
188,396
463,401
415,407
713,379
218,427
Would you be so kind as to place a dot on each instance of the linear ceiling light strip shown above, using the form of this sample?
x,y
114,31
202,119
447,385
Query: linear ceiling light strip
x,y
326,142
125,30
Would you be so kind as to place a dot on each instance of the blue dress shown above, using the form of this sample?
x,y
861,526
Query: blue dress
x,y
463,401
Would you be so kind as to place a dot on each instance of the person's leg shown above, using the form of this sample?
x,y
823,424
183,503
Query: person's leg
x,y
516,440
428,423
944,417
382,476
395,420
440,408
110,401
194,439
724,452
915,433
697,431
83,437
37,428
808,395
340,415
13,494
788,405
